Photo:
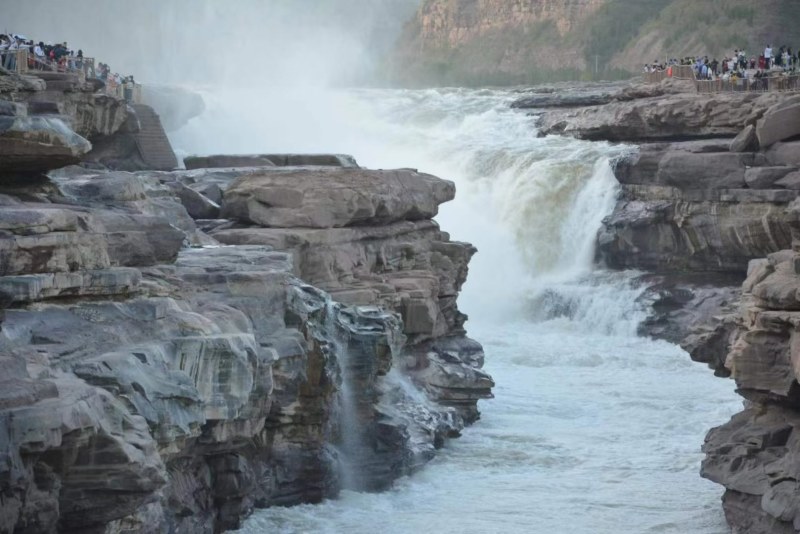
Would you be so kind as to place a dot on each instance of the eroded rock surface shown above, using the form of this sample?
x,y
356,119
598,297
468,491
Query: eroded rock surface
x,y
56,120
332,198
696,206
754,456
158,378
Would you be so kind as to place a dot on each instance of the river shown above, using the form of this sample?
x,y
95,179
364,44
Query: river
x,y
593,429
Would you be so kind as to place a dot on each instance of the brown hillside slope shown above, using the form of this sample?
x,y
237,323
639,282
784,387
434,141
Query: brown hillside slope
x,y
478,42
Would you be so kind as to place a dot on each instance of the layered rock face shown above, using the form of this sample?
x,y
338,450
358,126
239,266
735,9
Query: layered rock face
x,y
170,372
711,190
450,23
52,120
697,206
509,42
490,39
755,454
671,112
700,193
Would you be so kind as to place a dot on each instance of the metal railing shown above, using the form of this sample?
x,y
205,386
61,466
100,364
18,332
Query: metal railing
x,y
773,83
678,72
777,82
132,92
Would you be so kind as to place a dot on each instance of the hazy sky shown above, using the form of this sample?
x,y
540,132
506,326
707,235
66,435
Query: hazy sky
x,y
281,42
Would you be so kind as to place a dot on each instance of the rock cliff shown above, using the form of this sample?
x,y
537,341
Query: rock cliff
x,y
754,456
711,190
486,40
496,42
182,347
52,119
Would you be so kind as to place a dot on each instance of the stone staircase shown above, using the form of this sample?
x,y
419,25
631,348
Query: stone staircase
x,y
152,141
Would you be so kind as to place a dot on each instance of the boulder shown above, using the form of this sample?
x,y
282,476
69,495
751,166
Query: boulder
x,y
197,205
746,141
780,122
334,197
33,145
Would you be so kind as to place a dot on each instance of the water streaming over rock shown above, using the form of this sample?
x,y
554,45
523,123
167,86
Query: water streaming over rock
x,y
593,429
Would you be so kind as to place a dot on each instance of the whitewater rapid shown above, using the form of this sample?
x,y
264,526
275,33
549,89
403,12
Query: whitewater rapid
x,y
593,429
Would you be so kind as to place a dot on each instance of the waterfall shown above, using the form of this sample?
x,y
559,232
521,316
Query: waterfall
x,y
350,429
587,415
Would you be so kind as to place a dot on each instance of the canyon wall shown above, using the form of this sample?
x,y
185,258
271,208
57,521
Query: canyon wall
x,y
496,42
478,40
711,196
169,365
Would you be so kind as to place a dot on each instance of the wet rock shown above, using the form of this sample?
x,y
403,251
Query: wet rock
x,y
680,302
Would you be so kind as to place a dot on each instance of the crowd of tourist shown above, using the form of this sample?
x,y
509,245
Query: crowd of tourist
x,y
738,66
60,58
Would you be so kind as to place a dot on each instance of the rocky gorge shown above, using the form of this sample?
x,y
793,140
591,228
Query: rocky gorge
x,y
183,346
709,198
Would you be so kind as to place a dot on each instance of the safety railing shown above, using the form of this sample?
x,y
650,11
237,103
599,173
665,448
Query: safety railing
x,y
768,84
776,82
679,72
14,60
129,91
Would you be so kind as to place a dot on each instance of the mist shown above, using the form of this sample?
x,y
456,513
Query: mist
x,y
214,42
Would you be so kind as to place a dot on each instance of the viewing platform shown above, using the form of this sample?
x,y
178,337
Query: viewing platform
x,y
71,69
776,81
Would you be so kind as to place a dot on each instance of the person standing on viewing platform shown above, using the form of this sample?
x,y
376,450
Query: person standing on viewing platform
x,y
768,57
4,41
10,61
39,55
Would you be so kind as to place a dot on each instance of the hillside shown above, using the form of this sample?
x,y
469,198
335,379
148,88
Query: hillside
x,y
476,42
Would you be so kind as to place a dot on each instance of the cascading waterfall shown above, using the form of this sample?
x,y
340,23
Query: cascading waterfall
x,y
593,430
351,437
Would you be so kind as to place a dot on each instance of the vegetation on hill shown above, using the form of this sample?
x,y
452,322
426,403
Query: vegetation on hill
x,y
612,40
